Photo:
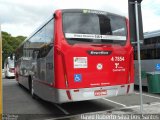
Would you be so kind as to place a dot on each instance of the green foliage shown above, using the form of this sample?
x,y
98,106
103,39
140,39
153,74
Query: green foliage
x,y
10,43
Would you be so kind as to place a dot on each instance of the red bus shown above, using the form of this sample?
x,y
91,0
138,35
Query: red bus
x,y
77,55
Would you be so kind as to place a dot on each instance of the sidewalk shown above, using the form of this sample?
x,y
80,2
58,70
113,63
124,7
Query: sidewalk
x,y
153,108
150,112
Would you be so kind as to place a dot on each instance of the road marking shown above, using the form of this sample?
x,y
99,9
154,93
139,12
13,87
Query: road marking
x,y
134,106
114,109
114,102
156,103
63,110
149,95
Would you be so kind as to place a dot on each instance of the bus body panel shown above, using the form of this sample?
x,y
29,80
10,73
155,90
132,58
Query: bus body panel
x,y
120,57
114,67
55,95
23,80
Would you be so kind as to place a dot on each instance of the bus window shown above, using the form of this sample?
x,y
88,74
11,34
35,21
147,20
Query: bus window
x,y
97,28
49,32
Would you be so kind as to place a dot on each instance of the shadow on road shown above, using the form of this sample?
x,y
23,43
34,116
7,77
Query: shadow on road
x,y
73,108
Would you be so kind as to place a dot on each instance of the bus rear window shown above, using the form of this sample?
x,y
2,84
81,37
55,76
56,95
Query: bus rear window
x,y
94,28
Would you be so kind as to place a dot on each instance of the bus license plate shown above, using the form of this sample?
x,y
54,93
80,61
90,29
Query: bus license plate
x,y
100,92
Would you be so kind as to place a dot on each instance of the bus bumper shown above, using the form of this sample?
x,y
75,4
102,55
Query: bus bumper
x,y
72,95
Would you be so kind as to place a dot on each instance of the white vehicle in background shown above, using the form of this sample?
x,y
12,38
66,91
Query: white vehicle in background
x,y
9,67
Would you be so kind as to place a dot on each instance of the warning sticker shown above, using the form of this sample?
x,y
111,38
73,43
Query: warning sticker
x,y
77,77
80,62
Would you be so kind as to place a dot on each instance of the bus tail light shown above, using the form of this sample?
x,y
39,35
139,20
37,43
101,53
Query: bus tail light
x,y
128,87
68,95
76,90
64,66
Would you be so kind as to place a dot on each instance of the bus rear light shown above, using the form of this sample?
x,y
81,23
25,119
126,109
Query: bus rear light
x,y
68,95
64,67
76,90
122,86
128,87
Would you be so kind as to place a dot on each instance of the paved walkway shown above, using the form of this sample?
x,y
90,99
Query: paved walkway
x,y
150,112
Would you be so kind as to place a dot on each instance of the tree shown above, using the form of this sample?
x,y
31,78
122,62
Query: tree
x,y
10,43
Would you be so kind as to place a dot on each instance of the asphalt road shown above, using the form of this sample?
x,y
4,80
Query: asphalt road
x,y
17,100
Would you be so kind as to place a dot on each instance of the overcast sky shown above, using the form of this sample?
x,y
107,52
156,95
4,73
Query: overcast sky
x,y
19,17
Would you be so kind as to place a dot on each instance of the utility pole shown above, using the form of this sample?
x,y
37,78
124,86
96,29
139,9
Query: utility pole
x,y
136,31
0,72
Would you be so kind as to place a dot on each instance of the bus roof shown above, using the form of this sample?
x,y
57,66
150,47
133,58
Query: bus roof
x,y
64,10
151,34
